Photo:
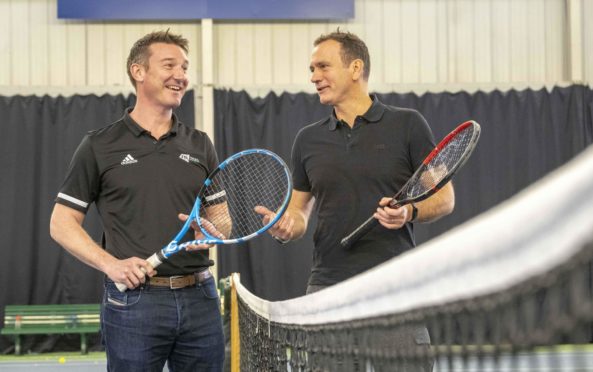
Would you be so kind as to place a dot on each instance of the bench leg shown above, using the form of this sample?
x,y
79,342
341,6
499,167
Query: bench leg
x,y
83,346
17,345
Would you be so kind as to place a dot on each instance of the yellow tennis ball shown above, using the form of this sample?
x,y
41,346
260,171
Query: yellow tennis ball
x,y
62,360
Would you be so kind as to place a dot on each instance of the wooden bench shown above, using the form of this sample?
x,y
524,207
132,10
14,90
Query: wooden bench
x,y
51,319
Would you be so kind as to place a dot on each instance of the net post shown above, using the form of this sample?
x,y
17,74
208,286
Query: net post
x,y
235,337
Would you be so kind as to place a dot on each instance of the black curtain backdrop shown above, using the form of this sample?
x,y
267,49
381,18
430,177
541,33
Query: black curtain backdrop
x,y
525,134
38,137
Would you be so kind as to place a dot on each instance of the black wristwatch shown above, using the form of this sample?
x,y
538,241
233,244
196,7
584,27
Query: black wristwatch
x,y
414,212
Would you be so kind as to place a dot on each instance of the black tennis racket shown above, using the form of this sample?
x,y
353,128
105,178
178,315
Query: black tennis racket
x,y
225,206
436,170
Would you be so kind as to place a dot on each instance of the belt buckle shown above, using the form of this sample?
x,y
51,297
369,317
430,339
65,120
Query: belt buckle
x,y
171,278
203,275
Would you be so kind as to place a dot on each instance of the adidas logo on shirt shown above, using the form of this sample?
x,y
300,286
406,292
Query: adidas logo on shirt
x,y
129,159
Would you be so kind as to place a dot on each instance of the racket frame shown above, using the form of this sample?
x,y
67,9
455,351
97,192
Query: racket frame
x,y
395,203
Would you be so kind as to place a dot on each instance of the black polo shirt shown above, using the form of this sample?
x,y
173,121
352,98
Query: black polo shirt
x,y
139,185
348,171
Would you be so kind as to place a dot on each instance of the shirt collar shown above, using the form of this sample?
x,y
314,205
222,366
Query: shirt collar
x,y
137,130
373,114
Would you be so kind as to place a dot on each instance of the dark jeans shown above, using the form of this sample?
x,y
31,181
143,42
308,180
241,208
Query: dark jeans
x,y
146,327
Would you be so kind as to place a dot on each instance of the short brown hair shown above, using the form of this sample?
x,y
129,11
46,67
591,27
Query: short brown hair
x,y
352,48
140,52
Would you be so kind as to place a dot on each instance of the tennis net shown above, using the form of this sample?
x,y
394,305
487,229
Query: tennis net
x,y
510,290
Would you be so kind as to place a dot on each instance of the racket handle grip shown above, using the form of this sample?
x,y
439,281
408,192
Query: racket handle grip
x,y
153,260
121,287
361,231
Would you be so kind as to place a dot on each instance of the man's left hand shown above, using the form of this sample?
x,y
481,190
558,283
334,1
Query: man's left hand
x,y
392,218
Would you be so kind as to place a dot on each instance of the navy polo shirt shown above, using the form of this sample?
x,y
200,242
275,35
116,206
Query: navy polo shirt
x,y
139,185
348,170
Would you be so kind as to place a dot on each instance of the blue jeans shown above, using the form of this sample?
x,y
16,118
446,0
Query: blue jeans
x,y
148,326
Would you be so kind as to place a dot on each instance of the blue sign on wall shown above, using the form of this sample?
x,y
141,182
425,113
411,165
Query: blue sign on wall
x,y
198,9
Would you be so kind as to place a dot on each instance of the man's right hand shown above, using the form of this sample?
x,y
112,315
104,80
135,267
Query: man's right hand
x,y
132,271
283,228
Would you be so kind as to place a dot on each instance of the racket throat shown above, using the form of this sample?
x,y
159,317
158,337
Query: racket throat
x,y
156,259
394,203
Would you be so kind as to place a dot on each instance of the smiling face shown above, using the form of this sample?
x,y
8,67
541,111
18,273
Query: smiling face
x,y
333,79
163,80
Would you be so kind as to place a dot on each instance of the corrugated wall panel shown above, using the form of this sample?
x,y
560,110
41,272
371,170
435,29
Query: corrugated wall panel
x,y
5,48
263,58
588,41
76,55
422,42
501,40
280,54
428,48
374,35
555,41
461,47
225,59
96,62
39,50
442,56
114,54
300,41
39,11
482,42
57,49
536,65
411,42
20,42
392,48
245,46
519,56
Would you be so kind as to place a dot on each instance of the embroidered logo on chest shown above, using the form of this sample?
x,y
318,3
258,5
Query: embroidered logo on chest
x,y
189,159
129,159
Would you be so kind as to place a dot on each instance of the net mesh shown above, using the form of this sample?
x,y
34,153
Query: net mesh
x,y
510,290
253,179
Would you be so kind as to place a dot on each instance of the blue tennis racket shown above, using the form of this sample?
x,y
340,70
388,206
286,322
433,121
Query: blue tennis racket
x,y
224,209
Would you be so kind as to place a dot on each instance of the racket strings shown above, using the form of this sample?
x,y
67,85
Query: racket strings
x,y
443,163
246,182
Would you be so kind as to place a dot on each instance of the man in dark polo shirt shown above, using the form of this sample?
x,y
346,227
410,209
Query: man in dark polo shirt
x,y
141,172
350,164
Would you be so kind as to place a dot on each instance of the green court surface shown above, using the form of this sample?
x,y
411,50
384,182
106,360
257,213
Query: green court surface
x,y
54,362
56,356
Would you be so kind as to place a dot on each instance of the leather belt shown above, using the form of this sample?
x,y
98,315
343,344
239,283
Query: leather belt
x,y
180,281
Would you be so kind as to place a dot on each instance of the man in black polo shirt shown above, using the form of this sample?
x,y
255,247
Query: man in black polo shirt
x,y
348,164
141,172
